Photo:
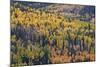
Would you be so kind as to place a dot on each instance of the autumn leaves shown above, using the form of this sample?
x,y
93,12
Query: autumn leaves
x,y
41,37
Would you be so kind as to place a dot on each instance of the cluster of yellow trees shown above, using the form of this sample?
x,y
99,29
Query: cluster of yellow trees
x,y
40,37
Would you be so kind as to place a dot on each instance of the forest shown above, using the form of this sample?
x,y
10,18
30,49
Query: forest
x,y
51,35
